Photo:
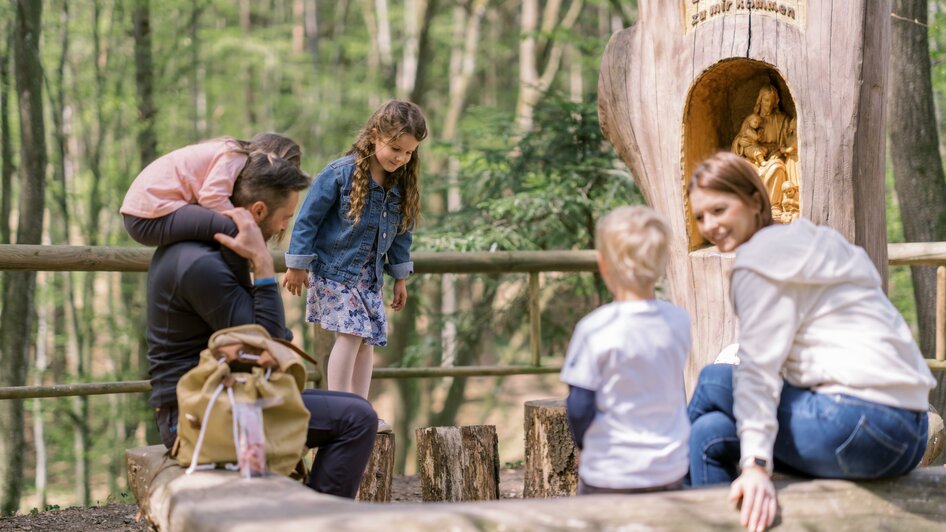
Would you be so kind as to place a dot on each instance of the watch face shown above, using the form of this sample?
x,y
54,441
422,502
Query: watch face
x,y
761,462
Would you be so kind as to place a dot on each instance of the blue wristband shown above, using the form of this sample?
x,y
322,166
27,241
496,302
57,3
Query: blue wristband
x,y
264,281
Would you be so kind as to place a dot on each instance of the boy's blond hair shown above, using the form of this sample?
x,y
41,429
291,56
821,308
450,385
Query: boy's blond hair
x,y
634,243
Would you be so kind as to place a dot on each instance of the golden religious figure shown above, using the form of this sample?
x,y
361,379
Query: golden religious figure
x,y
767,139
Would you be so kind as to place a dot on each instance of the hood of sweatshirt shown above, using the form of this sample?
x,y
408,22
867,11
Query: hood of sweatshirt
x,y
805,253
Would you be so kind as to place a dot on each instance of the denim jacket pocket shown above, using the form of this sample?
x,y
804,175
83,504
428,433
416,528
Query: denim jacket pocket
x,y
868,452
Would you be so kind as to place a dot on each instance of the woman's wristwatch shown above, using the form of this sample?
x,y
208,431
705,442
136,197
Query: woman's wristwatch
x,y
749,461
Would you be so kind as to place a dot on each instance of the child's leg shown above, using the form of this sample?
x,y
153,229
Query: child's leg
x,y
341,362
364,363
190,222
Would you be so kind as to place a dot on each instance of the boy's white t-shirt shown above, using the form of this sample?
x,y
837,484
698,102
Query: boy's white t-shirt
x,y
632,354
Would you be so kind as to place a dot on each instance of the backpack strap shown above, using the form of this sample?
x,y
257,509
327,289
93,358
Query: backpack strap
x,y
297,350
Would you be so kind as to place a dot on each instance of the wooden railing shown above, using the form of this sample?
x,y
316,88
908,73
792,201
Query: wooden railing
x,y
115,259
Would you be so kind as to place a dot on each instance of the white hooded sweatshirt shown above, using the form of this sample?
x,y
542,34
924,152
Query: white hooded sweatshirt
x,y
811,311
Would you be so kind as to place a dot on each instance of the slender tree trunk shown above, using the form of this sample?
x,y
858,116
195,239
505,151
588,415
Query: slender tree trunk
x,y
144,82
39,425
424,54
533,49
6,145
312,31
134,285
914,152
374,57
16,323
198,73
384,39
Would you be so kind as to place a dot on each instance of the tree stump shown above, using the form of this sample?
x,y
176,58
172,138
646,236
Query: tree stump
x,y
935,440
458,463
376,482
551,454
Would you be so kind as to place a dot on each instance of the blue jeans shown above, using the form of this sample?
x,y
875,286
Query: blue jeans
x,y
819,435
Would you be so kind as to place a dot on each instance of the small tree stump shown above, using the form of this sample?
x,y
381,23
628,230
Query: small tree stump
x,y
458,463
935,440
376,482
551,454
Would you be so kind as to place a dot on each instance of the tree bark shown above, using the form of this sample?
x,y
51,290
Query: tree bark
x,y
376,482
144,83
16,323
551,454
532,84
6,145
914,152
458,463
917,167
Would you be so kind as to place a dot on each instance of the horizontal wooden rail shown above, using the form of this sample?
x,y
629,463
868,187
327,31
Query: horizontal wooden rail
x,y
14,257
106,388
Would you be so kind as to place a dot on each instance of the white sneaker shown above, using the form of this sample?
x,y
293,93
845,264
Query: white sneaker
x,y
384,427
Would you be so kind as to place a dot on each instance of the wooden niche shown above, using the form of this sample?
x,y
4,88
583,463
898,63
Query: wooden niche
x,y
744,106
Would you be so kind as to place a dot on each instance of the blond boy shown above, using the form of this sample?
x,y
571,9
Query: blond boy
x,y
624,367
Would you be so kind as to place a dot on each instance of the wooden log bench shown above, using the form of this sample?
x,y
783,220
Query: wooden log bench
x,y
552,457
222,501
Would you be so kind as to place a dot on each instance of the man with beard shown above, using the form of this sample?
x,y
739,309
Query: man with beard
x,y
193,292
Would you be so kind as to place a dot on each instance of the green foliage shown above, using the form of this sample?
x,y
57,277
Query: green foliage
x,y
545,191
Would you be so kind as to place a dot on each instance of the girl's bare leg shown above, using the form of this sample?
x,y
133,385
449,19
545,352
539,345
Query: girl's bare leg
x,y
341,362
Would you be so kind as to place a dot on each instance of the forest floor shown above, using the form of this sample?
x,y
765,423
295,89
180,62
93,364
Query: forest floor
x,y
121,517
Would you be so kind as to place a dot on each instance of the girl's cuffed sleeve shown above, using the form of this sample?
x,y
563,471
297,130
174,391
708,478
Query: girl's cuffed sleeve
x,y
322,195
398,264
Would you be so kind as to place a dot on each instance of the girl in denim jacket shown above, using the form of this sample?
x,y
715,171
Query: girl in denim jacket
x,y
354,225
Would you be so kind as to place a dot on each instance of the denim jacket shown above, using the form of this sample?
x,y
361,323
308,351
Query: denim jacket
x,y
325,241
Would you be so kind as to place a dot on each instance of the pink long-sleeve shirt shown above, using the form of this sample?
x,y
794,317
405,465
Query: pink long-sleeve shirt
x,y
200,174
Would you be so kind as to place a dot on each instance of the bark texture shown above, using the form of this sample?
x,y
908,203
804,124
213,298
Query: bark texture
x,y
458,463
551,454
376,482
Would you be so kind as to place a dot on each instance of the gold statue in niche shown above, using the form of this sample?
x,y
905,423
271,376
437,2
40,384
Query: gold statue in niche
x,y
768,140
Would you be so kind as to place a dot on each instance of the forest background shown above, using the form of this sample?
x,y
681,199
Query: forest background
x,y
93,90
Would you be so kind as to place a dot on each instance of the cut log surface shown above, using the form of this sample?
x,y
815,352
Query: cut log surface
x,y
551,454
458,463
222,501
376,482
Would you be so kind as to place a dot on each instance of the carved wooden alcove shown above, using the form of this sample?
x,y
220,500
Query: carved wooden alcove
x,y
826,58
716,106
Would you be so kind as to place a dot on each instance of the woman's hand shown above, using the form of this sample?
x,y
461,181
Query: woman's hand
x,y
400,294
294,280
757,493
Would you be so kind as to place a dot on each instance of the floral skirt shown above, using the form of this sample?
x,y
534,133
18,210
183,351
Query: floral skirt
x,y
356,310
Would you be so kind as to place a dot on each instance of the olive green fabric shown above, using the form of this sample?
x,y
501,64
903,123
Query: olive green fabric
x,y
285,418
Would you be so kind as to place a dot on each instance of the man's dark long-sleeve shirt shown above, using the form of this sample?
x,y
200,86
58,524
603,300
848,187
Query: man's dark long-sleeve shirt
x,y
191,294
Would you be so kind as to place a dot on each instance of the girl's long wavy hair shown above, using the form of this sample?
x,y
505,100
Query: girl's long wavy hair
x,y
390,121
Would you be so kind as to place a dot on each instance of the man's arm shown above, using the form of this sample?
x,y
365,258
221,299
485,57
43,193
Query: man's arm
x,y
216,294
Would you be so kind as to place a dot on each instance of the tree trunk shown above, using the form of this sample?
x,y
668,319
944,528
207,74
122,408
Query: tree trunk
x,y
376,482
16,323
424,53
39,428
532,84
914,152
551,454
312,31
917,167
144,83
458,463
6,145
